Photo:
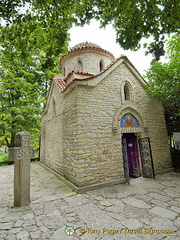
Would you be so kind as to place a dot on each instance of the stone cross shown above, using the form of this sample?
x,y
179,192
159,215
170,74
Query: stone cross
x,y
21,155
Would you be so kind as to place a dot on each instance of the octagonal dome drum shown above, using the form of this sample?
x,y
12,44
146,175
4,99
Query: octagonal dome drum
x,y
86,57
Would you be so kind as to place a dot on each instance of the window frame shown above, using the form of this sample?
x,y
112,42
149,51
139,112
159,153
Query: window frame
x,y
80,65
101,65
127,92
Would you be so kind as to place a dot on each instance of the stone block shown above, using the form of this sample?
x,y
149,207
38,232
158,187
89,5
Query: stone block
x,y
163,213
21,155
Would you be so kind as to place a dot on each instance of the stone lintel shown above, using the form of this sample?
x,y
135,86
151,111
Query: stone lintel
x,y
132,130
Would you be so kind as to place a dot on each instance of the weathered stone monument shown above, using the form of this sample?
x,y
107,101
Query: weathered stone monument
x,y
21,155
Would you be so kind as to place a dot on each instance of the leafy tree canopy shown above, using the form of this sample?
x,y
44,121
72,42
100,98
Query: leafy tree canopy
x,y
22,93
28,59
34,28
164,84
34,33
131,19
135,19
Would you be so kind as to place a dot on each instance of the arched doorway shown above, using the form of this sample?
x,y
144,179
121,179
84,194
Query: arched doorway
x,y
137,157
130,146
132,154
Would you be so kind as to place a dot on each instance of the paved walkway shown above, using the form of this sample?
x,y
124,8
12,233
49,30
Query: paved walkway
x,y
143,210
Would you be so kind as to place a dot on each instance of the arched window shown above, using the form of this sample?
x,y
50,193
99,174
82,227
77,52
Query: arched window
x,y
126,92
129,121
54,106
101,65
80,65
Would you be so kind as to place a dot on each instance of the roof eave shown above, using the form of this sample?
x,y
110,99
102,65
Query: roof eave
x,y
94,80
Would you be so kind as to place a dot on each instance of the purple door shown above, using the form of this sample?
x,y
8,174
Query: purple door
x,y
132,154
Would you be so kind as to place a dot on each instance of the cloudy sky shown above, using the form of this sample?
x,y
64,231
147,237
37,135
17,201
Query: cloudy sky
x,y
106,38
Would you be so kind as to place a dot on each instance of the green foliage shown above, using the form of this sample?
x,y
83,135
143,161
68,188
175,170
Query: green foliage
x,y
164,84
29,49
38,26
27,37
22,93
135,19
45,23
3,157
34,34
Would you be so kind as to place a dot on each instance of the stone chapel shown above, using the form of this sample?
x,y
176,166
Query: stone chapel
x,y
99,125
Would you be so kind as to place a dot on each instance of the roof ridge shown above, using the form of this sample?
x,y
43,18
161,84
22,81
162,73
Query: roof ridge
x,y
85,45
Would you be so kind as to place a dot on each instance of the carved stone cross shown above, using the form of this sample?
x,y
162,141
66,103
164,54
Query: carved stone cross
x,y
21,155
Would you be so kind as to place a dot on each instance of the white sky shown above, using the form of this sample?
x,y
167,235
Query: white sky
x,y
106,38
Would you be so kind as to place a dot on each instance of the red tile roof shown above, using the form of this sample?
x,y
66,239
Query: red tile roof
x,y
60,83
63,82
87,45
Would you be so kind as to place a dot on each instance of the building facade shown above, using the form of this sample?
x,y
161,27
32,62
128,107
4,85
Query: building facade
x,y
99,125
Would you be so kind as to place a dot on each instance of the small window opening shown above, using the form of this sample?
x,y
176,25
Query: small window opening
x,y
80,66
64,71
126,92
54,107
101,66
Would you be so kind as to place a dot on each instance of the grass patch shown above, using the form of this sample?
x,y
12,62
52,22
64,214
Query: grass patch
x,y
3,157
4,160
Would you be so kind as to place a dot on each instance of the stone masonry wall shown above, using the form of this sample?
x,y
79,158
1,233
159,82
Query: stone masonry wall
x,y
97,156
99,150
52,133
152,113
90,62
79,142
70,127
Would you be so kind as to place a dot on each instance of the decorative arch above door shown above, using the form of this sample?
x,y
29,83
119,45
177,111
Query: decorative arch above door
x,y
120,117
